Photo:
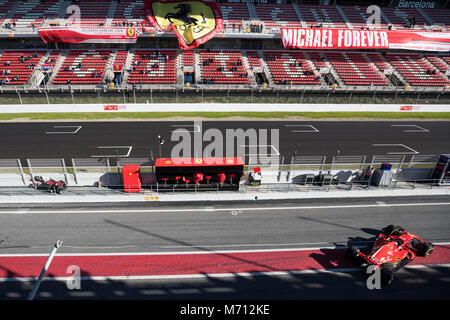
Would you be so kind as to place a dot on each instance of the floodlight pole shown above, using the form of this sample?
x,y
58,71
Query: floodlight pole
x,y
44,270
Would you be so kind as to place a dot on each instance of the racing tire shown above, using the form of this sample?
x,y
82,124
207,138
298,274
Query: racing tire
x,y
352,252
425,250
402,263
390,229
387,275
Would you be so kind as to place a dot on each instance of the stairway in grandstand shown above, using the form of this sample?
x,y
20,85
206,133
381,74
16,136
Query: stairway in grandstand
x,y
179,62
127,66
246,62
263,63
38,76
198,67
60,57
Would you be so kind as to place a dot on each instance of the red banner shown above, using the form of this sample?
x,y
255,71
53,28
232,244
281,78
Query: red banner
x,y
324,38
90,34
193,21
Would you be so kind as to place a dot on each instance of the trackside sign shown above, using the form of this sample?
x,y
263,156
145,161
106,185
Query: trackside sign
x,y
325,38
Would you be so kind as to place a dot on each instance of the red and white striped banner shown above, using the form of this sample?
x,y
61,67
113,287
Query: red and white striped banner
x,y
90,34
326,38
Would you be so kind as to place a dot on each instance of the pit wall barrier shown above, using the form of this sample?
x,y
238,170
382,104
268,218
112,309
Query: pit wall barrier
x,y
214,107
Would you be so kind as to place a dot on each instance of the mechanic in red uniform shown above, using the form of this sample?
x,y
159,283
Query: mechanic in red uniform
x,y
222,177
198,177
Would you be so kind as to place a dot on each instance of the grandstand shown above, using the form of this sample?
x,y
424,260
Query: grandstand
x,y
246,55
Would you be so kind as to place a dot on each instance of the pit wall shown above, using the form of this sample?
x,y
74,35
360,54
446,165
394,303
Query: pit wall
x,y
214,107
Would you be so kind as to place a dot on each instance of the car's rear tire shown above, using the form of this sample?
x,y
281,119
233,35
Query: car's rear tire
x,y
352,252
425,249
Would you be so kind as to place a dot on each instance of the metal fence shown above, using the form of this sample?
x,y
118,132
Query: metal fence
x,y
203,93
285,188
102,176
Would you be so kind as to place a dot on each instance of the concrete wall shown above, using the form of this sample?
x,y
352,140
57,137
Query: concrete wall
x,y
212,107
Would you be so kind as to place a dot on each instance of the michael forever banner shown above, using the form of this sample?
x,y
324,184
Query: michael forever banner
x,y
326,38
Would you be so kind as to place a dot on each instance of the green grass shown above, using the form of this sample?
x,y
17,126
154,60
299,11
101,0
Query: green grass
x,y
224,115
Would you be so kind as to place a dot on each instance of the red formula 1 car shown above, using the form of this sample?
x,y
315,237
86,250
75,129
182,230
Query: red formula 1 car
x,y
393,249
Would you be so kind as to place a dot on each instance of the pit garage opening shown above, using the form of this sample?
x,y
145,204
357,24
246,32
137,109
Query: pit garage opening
x,y
198,173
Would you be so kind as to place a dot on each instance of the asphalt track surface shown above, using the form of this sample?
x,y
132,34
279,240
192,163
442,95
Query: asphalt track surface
x,y
286,228
44,140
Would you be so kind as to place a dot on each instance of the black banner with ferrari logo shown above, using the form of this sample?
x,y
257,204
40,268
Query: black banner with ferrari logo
x,y
194,22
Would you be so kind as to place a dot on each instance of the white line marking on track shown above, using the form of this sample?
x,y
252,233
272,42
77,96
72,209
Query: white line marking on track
x,y
410,125
64,132
314,130
277,153
367,205
396,145
159,253
114,155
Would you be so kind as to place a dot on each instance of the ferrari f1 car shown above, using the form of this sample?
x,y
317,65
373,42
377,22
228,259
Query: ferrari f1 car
x,y
48,185
393,249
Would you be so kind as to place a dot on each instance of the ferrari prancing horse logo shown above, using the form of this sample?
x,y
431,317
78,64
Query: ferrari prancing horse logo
x,y
194,22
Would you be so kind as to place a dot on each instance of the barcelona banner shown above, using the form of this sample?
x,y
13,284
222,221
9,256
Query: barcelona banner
x,y
194,22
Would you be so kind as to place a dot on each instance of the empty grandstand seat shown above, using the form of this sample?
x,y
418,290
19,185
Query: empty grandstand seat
x,y
226,67
415,69
129,11
277,15
358,17
327,16
92,61
290,68
354,69
9,61
188,58
33,12
439,16
399,17
154,67
234,15
440,62
254,59
93,13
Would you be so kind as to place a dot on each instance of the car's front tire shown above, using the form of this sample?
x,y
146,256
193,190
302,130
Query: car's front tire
x,y
425,249
390,229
